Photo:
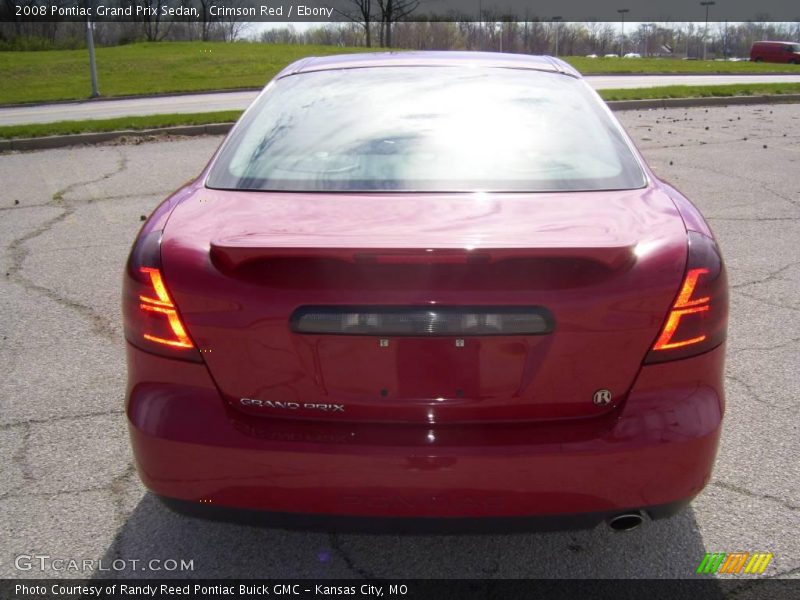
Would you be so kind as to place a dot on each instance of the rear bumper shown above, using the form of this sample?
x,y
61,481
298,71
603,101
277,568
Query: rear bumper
x,y
412,525
654,453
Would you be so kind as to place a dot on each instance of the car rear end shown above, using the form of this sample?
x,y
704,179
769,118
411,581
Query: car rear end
x,y
335,320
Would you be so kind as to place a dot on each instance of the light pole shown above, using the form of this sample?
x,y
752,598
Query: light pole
x,y
725,45
622,12
500,26
557,21
707,4
480,26
92,65
646,27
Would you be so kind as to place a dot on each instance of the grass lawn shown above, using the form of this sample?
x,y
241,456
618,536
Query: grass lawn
x,y
151,68
147,68
154,121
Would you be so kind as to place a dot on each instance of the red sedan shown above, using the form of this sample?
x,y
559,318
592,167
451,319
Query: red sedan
x,y
436,285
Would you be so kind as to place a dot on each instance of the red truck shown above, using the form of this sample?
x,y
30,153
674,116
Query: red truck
x,y
776,52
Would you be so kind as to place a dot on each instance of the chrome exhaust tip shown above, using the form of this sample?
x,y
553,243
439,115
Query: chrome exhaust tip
x,y
626,521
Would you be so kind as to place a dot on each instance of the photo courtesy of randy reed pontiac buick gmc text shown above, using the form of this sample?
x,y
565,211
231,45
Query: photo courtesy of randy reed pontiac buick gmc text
x,y
200,590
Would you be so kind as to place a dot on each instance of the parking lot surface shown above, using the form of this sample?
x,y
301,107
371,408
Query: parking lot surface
x,y
68,488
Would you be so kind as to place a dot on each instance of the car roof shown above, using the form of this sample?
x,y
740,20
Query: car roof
x,y
428,59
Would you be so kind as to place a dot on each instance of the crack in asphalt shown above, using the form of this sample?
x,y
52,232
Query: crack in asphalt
x,y
790,342
100,324
697,143
751,494
750,586
93,488
749,179
117,489
770,303
19,459
752,139
55,418
86,247
771,276
782,574
22,207
754,396
79,203
756,219
348,560
781,195
18,253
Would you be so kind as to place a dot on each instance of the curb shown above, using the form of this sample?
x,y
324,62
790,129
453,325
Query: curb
x,y
701,102
159,95
76,139
692,74
61,141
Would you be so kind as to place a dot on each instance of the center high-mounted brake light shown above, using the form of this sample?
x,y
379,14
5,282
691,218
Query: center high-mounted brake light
x,y
697,320
423,322
152,321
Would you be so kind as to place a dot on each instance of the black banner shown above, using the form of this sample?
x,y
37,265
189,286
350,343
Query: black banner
x,y
406,10
392,589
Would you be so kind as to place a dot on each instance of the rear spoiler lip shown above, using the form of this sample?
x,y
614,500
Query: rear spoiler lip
x,y
236,252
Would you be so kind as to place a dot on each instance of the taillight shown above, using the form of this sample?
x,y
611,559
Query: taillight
x,y
698,318
151,318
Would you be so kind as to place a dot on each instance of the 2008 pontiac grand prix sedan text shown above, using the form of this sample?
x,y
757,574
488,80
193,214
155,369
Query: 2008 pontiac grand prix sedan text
x,y
430,285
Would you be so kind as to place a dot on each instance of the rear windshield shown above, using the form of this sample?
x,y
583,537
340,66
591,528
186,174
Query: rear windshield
x,y
426,129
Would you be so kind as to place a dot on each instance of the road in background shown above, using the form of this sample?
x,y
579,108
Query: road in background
x,y
68,488
239,100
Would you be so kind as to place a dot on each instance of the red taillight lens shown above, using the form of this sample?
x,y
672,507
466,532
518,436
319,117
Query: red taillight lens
x,y
151,318
698,319
167,327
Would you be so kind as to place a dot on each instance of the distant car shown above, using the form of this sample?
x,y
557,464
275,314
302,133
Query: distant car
x,y
612,55
438,285
632,55
591,56
775,52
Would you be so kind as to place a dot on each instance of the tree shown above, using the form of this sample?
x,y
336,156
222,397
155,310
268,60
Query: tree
x,y
232,25
153,28
361,15
205,18
393,11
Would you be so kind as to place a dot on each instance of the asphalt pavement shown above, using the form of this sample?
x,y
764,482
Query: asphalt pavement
x,y
68,489
239,100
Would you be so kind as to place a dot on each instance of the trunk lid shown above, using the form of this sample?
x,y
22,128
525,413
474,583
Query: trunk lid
x,y
600,268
